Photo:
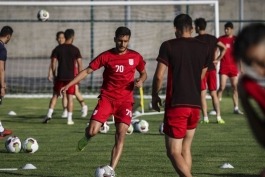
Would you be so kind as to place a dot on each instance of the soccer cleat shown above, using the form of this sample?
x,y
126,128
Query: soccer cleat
x,y
82,144
46,120
64,115
238,112
84,111
204,121
70,123
221,121
5,133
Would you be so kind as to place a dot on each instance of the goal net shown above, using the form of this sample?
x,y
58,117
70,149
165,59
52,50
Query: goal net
x,y
94,23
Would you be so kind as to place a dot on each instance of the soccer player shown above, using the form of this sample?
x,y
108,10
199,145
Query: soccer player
x,y
5,36
66,54
228,67
210,79
187,60
61,39
250,48
116,97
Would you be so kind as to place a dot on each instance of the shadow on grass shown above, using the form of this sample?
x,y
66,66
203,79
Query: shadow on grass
x,y
227,175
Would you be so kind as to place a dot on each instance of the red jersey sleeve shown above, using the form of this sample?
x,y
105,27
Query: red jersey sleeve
x,y
141,65
98,62
163,54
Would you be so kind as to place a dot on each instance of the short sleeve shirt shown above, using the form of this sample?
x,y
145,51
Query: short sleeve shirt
x,y
212,43
3,52
119,71
67,55
185,59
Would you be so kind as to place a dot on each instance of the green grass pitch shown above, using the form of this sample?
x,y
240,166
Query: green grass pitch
x,y
144,154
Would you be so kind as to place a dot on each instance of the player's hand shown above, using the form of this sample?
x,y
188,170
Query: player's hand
x,y
215,62
155,101
138,83
3,92
50,78
63,89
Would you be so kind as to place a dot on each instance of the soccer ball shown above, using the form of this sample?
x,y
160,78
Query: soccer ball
x,y
150,106
105,171
13,144
161,128
130,130
104,128
141,126
43,15
30,145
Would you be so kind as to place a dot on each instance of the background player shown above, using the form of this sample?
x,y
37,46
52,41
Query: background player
x,y
5,36
61,39
187,60
116,95
210,77
228,66
66,54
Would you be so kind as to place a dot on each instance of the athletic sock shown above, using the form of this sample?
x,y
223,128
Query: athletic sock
x,y
50,111
205,118
236,108
69,117
1,127
219,118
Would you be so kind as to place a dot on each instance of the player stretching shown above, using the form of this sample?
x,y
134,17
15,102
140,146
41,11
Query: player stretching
x,y
66,54
186,59
228,67
5,35
210,77
116,95
61,39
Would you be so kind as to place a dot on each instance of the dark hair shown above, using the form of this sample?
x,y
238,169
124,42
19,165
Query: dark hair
x,y
6,30
123,31
229,25
69,33
183,22
201,23
250,35
58,34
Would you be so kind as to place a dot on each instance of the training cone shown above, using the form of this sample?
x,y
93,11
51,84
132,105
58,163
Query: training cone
x,y
12,113
29,167
226,165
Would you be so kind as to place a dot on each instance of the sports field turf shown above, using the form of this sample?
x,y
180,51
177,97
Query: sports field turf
x,y
144,154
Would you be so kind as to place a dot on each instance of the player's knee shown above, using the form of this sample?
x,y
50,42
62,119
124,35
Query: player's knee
x,y
90,132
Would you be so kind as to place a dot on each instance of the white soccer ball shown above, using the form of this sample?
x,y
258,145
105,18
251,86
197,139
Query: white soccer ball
x,y
161,128
30,145
13,144
43,15
105,171
104,128
141,126
150,106
130,130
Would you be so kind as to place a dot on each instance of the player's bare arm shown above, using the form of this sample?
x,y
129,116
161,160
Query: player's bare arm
x,y
78,78
50,76
241,67
139,81
79,65
222,48
2,78
157,85
204,70
53,67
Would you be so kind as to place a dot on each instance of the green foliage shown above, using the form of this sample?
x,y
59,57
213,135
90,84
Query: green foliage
x,y
144,154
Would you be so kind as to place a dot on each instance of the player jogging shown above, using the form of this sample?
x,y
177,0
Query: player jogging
x,y
228,66
66,54
5,36
116,97
61,39
210,79
187,60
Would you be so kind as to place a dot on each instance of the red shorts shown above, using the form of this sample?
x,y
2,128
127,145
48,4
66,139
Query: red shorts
x,y
178,120
106,107
230,72
59,84
209,79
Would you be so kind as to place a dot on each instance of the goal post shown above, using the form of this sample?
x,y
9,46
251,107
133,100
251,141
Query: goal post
x,y
94,23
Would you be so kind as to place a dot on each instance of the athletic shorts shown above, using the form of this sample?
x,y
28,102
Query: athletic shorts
x,y
178,120
209,80
59,84
122,111
230,72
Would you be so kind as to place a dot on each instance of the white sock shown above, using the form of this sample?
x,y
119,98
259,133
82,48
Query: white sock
x,y
236,108
219,118
0,123
69,117
205,118
1,127
50,111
